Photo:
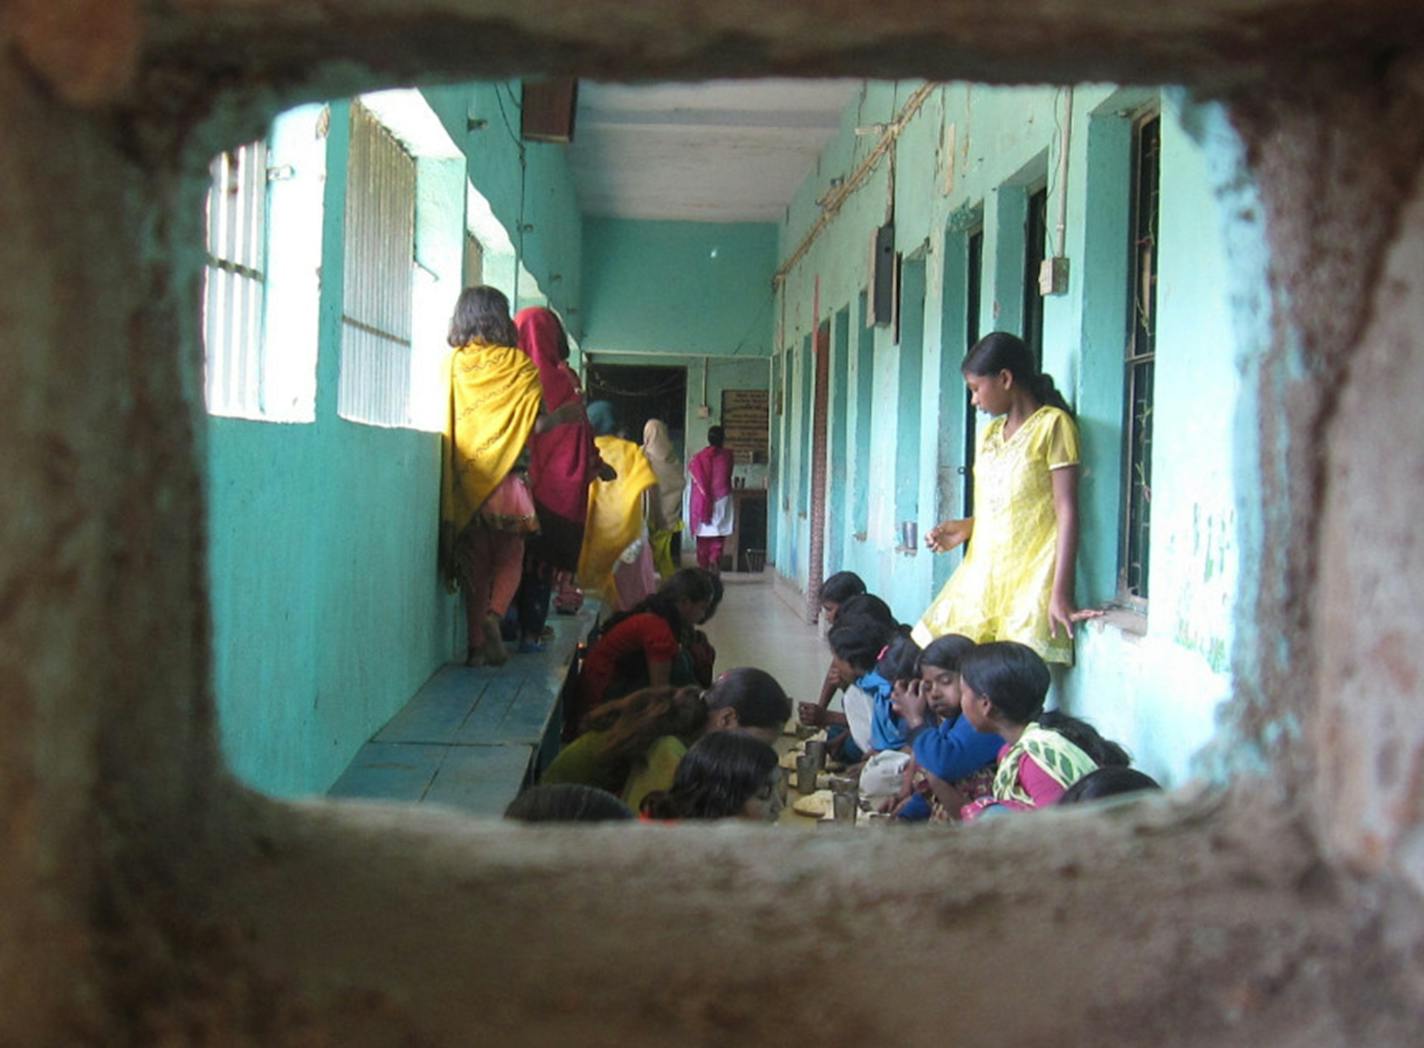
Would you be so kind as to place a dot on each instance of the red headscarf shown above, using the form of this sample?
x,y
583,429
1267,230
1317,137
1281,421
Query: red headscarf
x,y
561,461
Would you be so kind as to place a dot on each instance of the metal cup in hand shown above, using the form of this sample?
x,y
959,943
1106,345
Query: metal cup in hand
x,y
806,774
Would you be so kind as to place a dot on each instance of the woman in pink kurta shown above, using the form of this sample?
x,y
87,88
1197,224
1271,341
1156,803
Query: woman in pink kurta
x,y
711,504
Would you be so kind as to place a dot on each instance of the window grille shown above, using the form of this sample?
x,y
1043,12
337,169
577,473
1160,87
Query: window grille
x,y
235,281
379,261
1140,362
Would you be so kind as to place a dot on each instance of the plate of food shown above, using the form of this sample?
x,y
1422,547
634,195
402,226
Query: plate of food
x,y
814,805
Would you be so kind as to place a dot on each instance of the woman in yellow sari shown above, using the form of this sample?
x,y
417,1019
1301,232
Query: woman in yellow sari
x,y
485,509
615,517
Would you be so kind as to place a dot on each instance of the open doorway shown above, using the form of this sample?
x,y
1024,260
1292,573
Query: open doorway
x,y
641,392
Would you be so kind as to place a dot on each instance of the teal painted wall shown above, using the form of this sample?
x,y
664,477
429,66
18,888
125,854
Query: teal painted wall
x,y
971,155
327,613
690,288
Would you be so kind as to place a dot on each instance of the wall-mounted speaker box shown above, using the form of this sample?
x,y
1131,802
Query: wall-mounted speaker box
x,y
549,109
882,276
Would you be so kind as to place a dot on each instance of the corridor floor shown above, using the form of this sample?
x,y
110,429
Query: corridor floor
x,y
755,627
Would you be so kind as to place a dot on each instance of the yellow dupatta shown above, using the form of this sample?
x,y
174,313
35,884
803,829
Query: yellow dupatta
x,y
615,512
495,397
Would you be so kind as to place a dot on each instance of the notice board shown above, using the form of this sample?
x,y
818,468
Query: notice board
x,y
746,422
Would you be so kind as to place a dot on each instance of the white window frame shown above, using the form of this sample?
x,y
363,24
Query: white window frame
x,y
378,284
235,281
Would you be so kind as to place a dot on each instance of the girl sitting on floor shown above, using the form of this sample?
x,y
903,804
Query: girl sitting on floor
x,y
620,736
726,775
953,762
835,591
1002,690
646,645
746,700
874,654
848,732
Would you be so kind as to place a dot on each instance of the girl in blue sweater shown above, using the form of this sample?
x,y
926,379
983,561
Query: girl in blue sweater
x,y
953,762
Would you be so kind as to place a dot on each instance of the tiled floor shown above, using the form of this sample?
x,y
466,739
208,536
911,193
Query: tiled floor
x,y
754,627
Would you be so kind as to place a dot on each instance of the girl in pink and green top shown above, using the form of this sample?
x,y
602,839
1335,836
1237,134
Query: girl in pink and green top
x,y
1002,689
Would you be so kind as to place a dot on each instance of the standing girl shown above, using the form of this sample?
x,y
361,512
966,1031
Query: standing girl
x,y
1002,688
615,561
562,462
1016,580
711,504
495,406
664,509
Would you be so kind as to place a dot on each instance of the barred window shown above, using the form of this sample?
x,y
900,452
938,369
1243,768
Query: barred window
x,y
1140,362
235,281
376,342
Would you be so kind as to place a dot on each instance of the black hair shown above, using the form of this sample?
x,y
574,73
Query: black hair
x,y
945,653
1010,675
635,721
1105,752
715,436
567,802
759,700
841,587
482,314
901,660
1015,680
859,639
694,584
1000,351
719,590
716,778
1110,781
866,605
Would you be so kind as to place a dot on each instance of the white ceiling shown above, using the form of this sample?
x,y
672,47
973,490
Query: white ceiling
x,y
721,151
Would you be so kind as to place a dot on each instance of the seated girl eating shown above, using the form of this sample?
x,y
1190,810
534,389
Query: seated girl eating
x,y
746,700
953,762
874,654
726,775
1003,686
645,646
622,736
843,595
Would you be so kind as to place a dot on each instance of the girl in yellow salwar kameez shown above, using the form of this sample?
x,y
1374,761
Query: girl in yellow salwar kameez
x,y
485,507
1016,580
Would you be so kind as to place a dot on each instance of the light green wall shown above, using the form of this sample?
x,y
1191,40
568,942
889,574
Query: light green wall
x,y
327,613
691,288
1158,693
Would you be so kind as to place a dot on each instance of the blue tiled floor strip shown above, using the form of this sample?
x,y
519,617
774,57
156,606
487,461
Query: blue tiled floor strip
x,y
469,737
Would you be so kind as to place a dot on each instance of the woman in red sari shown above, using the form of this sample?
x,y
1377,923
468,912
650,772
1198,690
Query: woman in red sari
x,y
710,509
561,461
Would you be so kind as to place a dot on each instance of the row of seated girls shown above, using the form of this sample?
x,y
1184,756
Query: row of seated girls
x,y
954,731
